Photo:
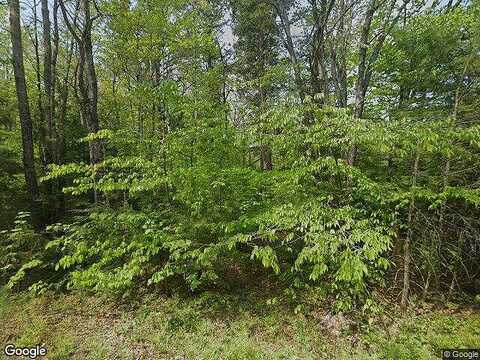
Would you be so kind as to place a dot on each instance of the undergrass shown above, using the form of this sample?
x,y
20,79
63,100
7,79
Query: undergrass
x,y
214,326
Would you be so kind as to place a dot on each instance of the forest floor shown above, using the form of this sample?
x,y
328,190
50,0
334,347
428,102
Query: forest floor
x,y
213,326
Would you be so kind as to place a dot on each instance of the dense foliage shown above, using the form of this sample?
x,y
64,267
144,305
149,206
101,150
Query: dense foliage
x,y
214,165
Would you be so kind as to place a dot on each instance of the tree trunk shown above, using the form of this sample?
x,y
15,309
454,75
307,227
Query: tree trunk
x,y
42,144
408,238
47,79
86,79
24,111
63,108
266,158
96,146
361,84
318,68
365,66
282,13
446,175
362,72
318,59
339,57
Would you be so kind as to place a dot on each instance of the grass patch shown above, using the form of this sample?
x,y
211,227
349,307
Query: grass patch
x,y
221,327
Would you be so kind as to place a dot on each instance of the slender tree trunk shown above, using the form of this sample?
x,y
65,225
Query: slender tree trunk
x,y
24,111
55,48
60,140
57,117
361,84
63,108
446,180
49,81
47,78
86,80
266,162
86,77
408,238
282,13
266,158
446,175
365,64
339,57
362,72
318,60
318,68
96,146
42,144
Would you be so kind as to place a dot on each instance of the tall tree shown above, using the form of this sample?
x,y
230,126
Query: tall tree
x,y
86,74
339,49
256,51
319,75
369,50
23,109
48,81
282,7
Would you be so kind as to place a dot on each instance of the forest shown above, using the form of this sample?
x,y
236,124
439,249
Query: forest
x,y
240,179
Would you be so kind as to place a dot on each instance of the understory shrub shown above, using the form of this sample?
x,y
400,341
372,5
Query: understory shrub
x,y
196,211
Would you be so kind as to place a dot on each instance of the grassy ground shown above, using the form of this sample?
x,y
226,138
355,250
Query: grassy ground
x,y
221,327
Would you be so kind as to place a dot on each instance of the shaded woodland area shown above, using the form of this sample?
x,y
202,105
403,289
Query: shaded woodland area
x,y
328,149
